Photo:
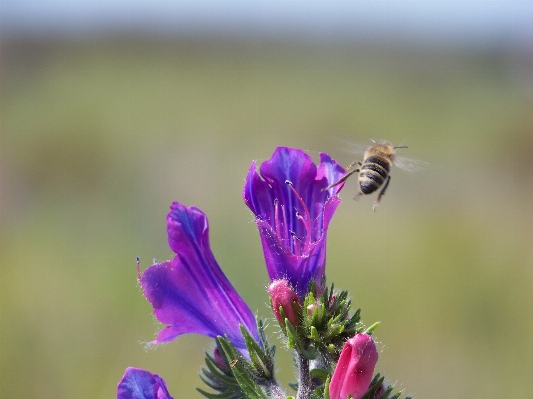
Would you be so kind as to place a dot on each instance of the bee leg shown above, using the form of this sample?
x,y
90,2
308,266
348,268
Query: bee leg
x,y
350,166
381,194
342,179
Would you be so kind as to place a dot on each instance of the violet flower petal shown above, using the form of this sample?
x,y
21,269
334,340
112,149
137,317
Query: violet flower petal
x,y
293,227
190,292
141,384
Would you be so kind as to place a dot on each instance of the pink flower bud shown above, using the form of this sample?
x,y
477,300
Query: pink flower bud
x,y
283,295
219,359
355,368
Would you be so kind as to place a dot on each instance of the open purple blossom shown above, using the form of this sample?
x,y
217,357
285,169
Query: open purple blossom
x,y
293,210
190,293
141,384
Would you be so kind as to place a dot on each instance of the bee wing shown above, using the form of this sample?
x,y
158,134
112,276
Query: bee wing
x,y
353,148
410,165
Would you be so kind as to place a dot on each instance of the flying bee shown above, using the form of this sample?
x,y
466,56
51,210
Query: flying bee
x,y
374,171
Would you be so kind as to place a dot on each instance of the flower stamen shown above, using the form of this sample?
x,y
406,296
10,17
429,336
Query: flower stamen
x,y
276,215
306,220
138,263
296,241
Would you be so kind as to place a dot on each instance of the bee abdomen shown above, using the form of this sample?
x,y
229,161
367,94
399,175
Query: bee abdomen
x,y
373,173
378,162
369,182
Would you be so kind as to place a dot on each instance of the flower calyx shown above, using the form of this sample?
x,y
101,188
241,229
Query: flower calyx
x,y
234,375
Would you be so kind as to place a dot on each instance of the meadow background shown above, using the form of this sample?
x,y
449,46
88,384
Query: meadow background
x,y
100,132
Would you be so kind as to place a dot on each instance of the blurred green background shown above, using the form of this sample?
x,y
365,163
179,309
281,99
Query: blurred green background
x,y
100,135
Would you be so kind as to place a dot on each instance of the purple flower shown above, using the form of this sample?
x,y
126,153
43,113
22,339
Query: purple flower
x,y
292,212
190,293
141,384
353,373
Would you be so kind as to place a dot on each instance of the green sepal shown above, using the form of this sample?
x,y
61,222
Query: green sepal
x,y
334,330
310,298
216,372
376,383
356,318
269,350
322,315
371,329
326,387
319,374
311,352
209,383
283,317
241,373
313,334
223,395
261,361
292,336
219,377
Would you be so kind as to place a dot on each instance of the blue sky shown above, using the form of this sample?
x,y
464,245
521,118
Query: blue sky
x,y
471,20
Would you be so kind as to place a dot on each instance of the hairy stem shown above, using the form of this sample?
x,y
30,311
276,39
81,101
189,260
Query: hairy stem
x,y
304,380
276,391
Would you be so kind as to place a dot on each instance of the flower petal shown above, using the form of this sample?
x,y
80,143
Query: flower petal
x,y
282,264
141,384
191,293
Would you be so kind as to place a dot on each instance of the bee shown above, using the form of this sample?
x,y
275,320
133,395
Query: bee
x,y
374,171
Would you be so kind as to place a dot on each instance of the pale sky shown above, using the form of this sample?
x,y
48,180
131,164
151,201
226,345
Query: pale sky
x,y
474,20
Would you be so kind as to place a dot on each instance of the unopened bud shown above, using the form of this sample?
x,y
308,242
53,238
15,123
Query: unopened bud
x,y
283,296
311,309
355,368
219,359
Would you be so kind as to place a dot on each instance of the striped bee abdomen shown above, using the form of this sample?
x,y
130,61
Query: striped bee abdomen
x,y
374,171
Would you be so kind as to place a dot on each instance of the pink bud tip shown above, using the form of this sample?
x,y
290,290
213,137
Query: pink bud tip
x,y
219,359
283,295
355,368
